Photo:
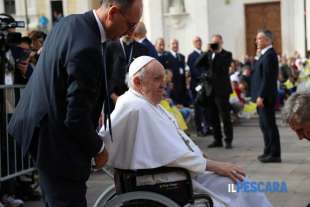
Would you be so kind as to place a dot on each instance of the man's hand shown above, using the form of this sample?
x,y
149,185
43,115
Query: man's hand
x,y
260,102
232,171
114,97
23,67
101,159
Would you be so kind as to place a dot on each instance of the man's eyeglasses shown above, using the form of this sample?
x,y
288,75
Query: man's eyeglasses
x,y
130,25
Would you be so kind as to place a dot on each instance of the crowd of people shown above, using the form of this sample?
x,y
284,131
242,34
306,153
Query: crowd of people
x,y
208,86
22,56
293,75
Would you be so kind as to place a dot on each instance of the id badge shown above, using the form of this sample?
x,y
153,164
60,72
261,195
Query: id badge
x,y
8,80
127,79
181,71
198,88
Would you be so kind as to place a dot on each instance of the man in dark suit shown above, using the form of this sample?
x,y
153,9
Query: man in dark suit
x,y
200,112
162,54
140,36
22,54
176,60
216,62
120,54
57,116
264,93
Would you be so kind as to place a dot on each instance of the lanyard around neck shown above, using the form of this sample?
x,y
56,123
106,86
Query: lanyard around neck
x,y
107,106
176,125
124,51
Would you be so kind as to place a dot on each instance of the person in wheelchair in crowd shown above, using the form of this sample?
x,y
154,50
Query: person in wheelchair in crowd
x,y
146,136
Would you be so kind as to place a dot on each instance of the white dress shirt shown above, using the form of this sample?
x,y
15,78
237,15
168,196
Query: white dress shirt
x,y
103,39
263,51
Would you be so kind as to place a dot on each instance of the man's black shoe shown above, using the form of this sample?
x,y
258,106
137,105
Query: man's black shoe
x,y
271,159
215,144
228,145
259,157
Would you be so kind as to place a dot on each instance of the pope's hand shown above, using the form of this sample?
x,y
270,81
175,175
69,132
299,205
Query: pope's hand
x,y
101,159
114,97
232,171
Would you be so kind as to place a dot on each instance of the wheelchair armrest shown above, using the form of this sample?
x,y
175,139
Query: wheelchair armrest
x,y
121,175
154,180
153,171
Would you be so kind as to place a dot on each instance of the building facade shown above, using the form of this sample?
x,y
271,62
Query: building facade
x,y
33,9
236,20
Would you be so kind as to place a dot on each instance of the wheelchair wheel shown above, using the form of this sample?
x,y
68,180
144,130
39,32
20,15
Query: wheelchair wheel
x,y
208,202
106,196
141,198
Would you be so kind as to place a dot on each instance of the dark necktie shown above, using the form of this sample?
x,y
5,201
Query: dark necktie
x,y
107,105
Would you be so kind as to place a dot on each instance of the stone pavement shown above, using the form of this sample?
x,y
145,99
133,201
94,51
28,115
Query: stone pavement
x,y
248,143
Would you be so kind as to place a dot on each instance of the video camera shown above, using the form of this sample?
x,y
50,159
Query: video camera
x,y
7,22
6,37
214,46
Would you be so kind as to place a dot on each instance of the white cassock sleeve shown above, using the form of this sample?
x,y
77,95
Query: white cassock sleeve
x,y
192,162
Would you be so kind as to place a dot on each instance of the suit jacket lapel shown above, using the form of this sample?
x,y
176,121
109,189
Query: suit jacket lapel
x,y
197,53
268,51
122,53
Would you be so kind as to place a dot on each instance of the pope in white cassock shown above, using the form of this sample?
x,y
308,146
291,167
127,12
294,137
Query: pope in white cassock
x,y
146,136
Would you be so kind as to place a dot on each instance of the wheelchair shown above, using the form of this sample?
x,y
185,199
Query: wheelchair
x,y
159,187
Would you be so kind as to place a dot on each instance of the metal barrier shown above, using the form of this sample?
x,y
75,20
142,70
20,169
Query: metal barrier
x,y
11,161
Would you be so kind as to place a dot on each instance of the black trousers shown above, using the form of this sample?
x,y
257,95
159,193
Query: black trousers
x,y
267,122
60,192
218,107
201,118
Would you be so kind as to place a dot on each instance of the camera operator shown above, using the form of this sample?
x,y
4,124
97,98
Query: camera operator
x,y
215,63
22,54
14,69
16,51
